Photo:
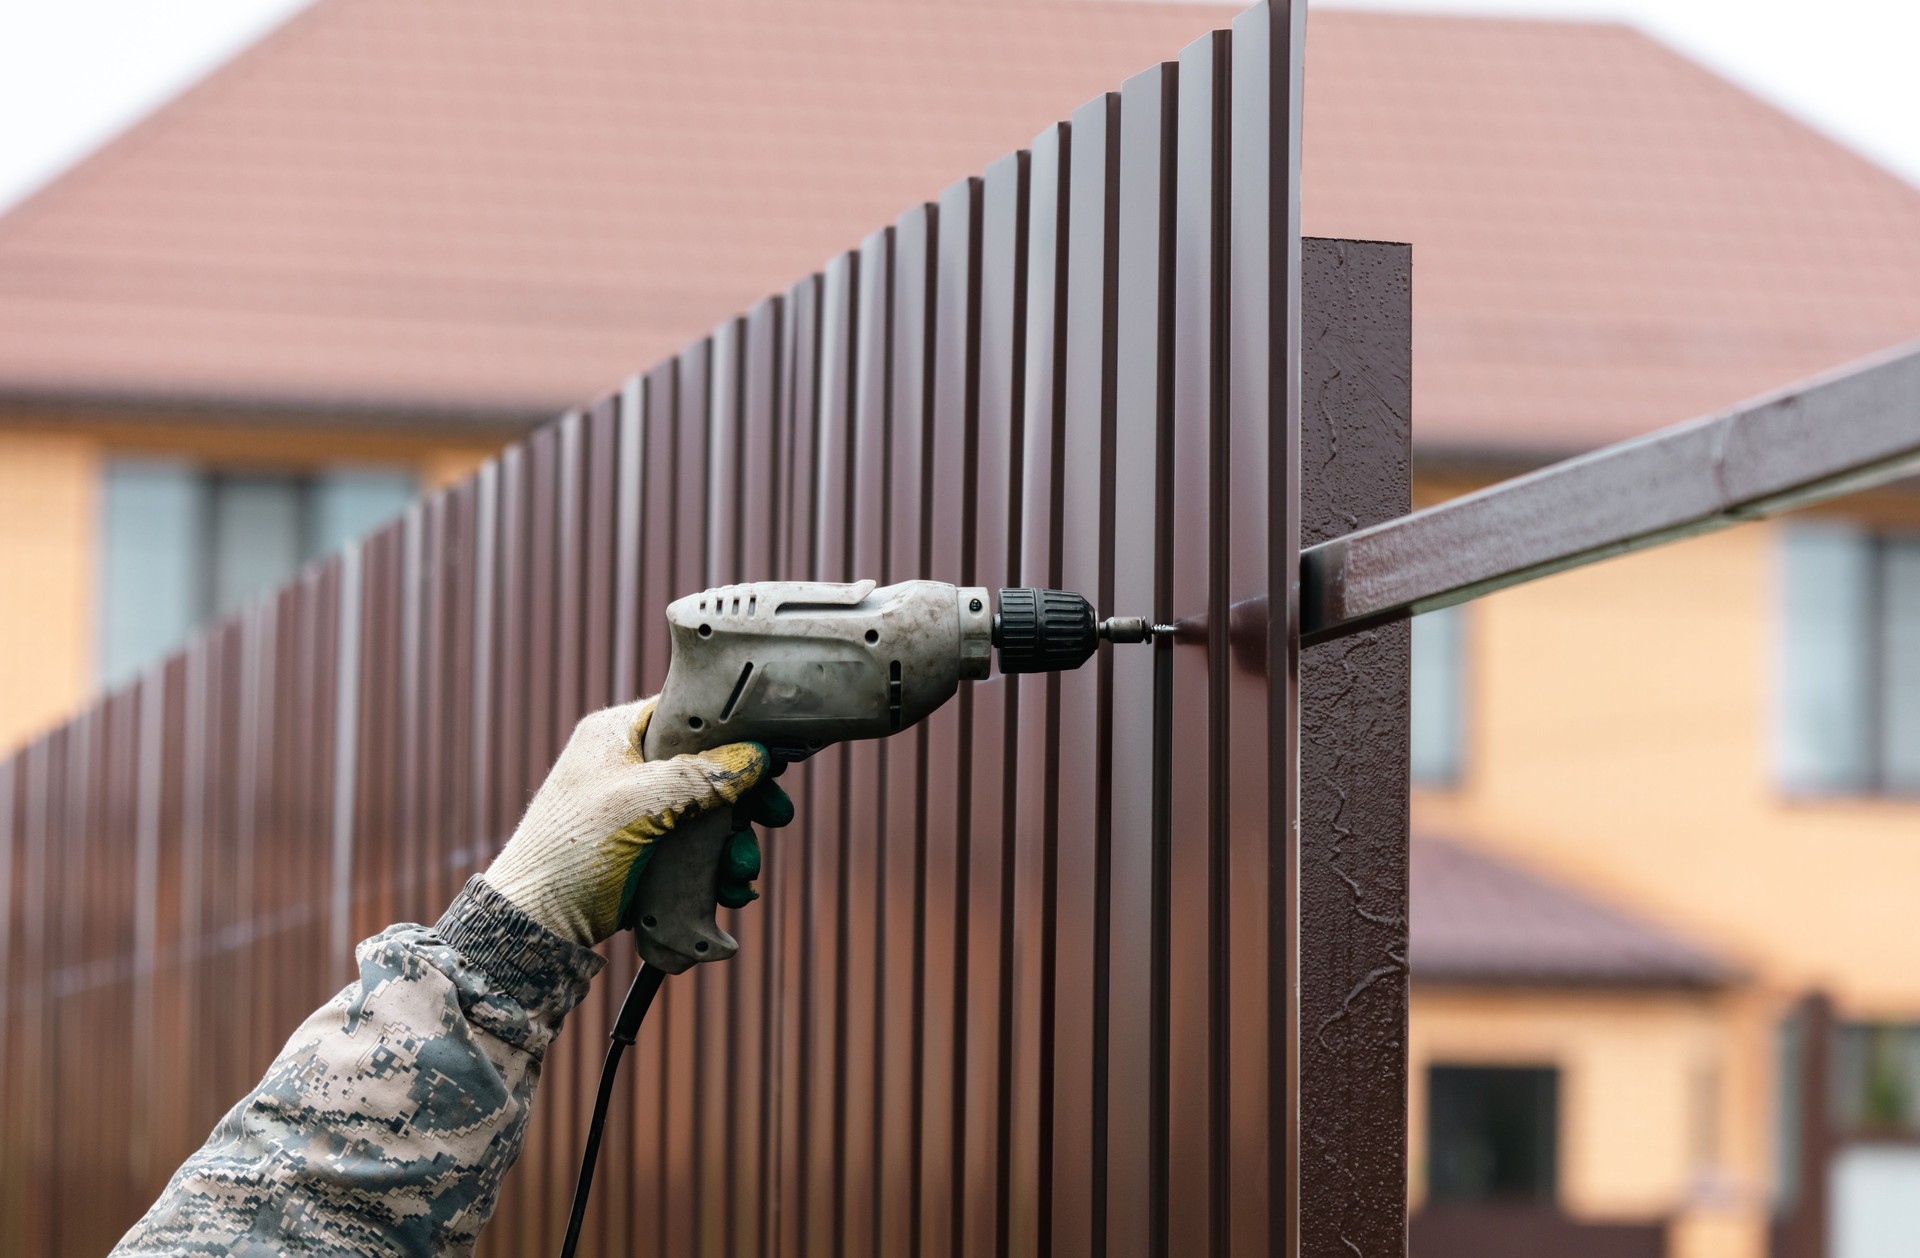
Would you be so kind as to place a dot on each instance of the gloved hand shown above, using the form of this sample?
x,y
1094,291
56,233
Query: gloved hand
x,y
575,859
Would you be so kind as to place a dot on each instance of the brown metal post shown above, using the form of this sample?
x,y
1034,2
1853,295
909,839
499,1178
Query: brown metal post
x,y
1355,437
1801,1232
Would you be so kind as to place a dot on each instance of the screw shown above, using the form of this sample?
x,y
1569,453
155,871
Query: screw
x,y
974,606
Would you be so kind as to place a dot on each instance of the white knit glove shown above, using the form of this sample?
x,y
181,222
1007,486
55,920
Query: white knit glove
x,y
601,808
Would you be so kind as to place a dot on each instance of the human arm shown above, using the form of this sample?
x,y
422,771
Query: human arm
x,y
386,1123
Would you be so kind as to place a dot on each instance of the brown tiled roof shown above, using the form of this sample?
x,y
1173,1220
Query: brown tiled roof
x,y
1479,919
503,206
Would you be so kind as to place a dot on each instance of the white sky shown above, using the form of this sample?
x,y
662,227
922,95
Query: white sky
x,y
74,72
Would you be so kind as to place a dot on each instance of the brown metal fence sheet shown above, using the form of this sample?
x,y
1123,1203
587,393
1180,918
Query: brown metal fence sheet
x,y
1022,979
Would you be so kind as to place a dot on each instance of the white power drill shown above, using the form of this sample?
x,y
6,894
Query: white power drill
x,y
797,665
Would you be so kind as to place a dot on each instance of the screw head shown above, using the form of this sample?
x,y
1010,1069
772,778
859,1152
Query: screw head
x,y
974,606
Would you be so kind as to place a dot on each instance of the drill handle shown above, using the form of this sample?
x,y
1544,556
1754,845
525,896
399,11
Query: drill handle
x,y
672,913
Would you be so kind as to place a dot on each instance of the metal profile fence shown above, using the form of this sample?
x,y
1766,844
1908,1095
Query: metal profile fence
x,y
1022,979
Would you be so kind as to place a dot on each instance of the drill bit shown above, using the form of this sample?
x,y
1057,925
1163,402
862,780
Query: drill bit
x,y
1131,629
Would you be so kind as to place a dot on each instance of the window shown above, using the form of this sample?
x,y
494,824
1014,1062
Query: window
x,y
1848,712
1439,696
1492,1133
1876,1078
181,545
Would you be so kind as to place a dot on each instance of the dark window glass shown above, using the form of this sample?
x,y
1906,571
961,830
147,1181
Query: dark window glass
x,y
181,544
1847,716
152,562
1492,1133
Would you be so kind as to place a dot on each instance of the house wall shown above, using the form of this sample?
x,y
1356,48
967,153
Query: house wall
x,y
1661,1100
1620,727
50,468
48,507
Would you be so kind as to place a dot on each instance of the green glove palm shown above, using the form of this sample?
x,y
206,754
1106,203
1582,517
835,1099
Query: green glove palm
x,y
766,805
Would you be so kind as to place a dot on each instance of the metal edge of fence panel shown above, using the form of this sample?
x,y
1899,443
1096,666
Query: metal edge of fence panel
x,y
681,1051
1030,1221
946,799
653,520
1264,419
32,1102
168,1049
68,1131
1082,853
1836,434
503,736
660,518
864,859
438,565
823,1193
1137,529
1196,1090
194,761
544,1181
571,1062
629,482
621,1222
146,927
458,732
791,874
750,1018
409,691
600,583
259,672
901,994
985,1130
716,988
346,729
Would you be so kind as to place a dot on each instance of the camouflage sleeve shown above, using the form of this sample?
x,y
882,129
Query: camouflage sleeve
x,y
387,1121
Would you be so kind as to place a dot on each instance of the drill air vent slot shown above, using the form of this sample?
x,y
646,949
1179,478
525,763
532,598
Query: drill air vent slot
x,y
738,687
895,705
820,609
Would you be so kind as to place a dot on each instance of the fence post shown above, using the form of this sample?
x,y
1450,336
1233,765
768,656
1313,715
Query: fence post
x,y
1801,1229
1355,408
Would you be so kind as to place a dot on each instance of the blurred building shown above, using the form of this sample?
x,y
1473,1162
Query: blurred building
x,y
1659,801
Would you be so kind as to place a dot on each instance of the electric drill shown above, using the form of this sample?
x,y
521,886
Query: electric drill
x,y
797,665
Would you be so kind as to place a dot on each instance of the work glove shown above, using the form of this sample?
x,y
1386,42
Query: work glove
x,y
577,857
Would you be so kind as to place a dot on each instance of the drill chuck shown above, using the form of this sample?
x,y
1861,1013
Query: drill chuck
x,y
1050,631
1043,631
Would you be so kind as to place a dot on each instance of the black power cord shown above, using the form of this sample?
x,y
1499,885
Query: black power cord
x,y
626,1029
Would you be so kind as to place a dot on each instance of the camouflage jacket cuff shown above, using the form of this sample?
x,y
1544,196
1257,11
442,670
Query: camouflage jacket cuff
x,y
524,961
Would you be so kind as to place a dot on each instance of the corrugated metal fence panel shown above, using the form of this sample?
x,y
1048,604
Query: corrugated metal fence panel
x,y
1021,978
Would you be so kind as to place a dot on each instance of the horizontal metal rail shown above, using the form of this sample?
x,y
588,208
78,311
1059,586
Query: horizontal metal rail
x,y
1835,434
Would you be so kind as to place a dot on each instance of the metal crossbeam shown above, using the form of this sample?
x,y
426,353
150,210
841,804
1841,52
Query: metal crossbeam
x,y
1852,429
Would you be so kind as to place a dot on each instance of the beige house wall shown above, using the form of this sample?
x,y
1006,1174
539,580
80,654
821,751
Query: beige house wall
x,y
1663,1100
1620,734
48,509
50,467
1620,725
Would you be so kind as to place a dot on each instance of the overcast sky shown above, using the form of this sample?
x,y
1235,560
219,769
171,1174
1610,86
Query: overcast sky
x,y
74,72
